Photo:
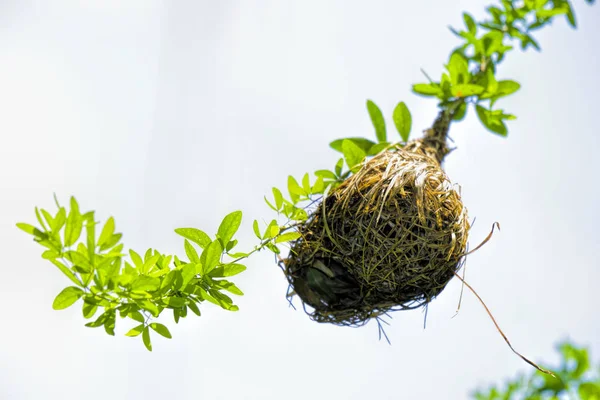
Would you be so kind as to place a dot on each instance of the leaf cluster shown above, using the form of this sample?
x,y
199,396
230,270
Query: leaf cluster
x,y
138,287
574,379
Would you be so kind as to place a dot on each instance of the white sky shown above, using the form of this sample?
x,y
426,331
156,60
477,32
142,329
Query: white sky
x,y
170,114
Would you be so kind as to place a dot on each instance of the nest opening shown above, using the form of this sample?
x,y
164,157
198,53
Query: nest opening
x,y
388,238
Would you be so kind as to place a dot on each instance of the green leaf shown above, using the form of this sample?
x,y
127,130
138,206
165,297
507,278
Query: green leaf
x,y
107,231
507,87
74,224
352,153
161,329
137,260
319,186
195,235
403,120
466,90
32,230
256,229
150,307
295,189
229,286
90,228
227,270
213,256
589,391
194,308
458,68
287,237
67,297
191,252
326,174
79,260
88,310
48,219
363,143
492,122
460,112
135,331
470,23
176,302
229,226
145,283
278,196
189,271
339,166
272,230
146,338
65,270
377,120
136,316
428,89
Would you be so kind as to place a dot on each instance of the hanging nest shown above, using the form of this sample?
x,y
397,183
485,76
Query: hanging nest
x,y
390,237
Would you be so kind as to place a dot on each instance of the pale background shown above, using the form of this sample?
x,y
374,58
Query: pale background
x,y
170,114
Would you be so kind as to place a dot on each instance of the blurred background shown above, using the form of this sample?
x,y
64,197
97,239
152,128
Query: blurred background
x,y
171,114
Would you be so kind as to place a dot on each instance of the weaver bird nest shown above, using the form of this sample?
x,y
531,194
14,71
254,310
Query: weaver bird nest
x,y
390,237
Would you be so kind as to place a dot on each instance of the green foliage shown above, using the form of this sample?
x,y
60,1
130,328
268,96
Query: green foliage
x,y
142,287
573,380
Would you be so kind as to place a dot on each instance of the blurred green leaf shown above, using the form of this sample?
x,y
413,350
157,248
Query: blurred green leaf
x,y
377,120
428,89
470,23
146,283
466,90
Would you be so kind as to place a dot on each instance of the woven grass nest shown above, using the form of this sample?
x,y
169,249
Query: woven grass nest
x,y
388,238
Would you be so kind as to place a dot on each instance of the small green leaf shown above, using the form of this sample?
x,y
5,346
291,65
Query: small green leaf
x,y
492,122
227,270
67,297
146,338
377,120
363,143
88,310
294,188
195,235
229,226
176,302
278,198
352,153
326,174
339,166
145,283
428,89
287,237
189,271
191,252
213,256
135,331
256,229
107,231
466,90
194,308
507,87
161,329
470,23
65,270
74,224
137,260
136,316
403,120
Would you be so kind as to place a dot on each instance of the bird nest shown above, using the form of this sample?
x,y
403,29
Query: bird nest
x,y
390,237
